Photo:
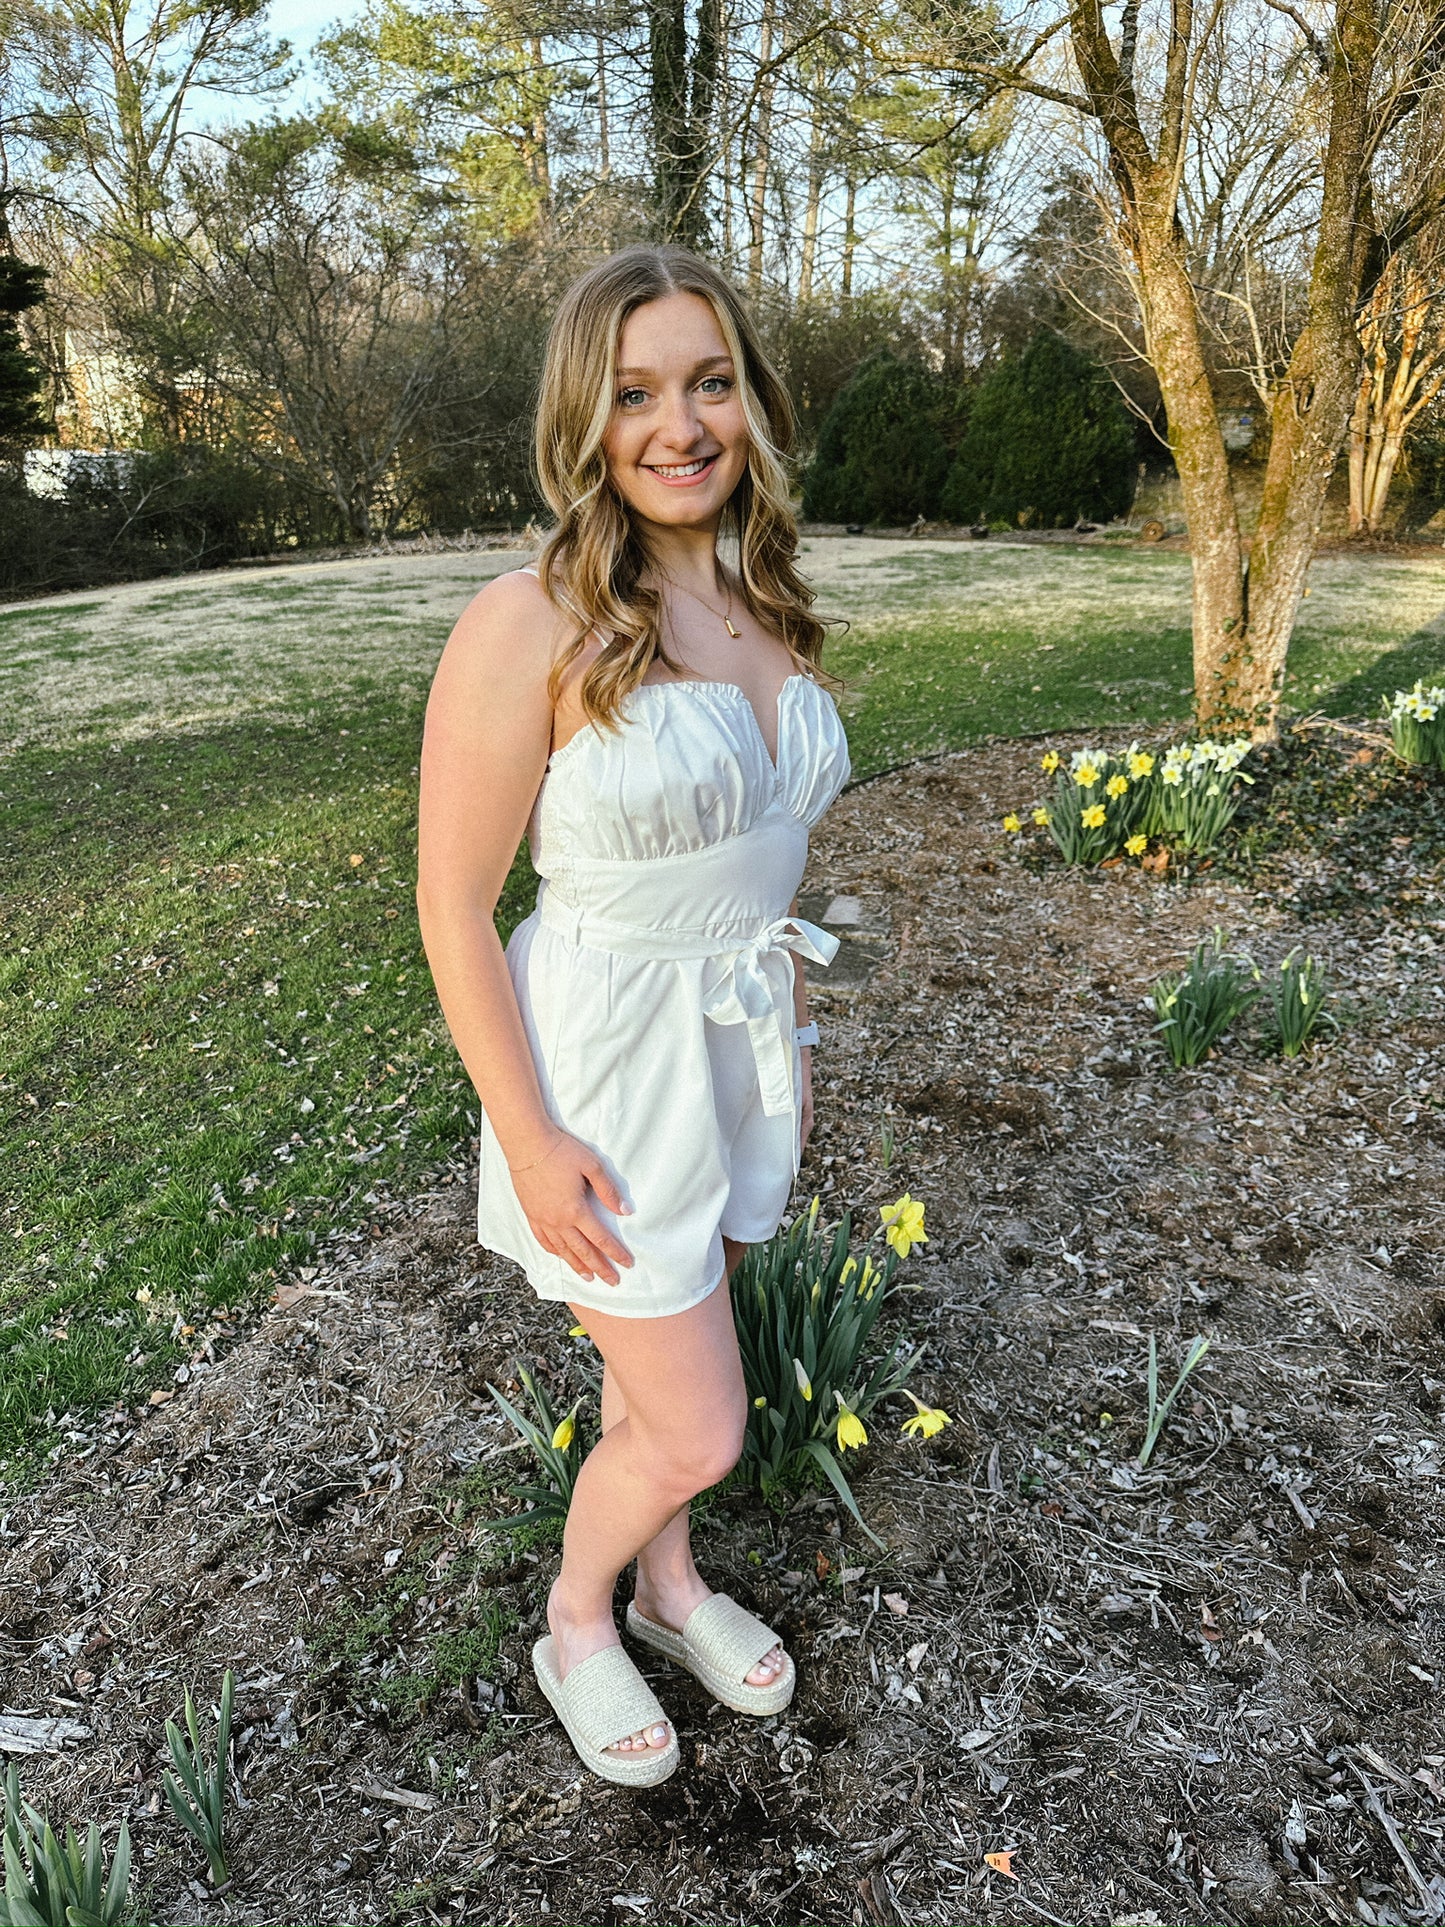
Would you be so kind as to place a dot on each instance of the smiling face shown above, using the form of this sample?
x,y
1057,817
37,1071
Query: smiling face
x,y
677,443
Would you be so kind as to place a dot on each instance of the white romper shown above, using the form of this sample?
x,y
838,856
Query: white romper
x,y
655,983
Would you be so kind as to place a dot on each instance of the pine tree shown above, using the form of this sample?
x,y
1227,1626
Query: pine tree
x,y
1048,441
882,451
22,419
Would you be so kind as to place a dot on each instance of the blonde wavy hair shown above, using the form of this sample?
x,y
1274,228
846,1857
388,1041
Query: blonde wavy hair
x,y
593,559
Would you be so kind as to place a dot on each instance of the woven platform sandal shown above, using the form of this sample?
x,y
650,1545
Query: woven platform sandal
x,y
720,1644
602,1700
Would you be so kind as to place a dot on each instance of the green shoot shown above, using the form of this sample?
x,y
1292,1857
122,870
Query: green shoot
x,y
197,1789
1159,1409
50,1885
1196,1008
1297,997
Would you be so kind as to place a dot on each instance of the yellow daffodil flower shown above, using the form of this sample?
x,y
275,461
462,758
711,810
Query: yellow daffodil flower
x,y
851,1430
1050,762
1141,764
1173,775
1116,786
904,1219
1093,817
813,1210
1011,823
1041,816
577,1331
1137,845
1086,776
562,1437
927,1420
805,1384
850,1265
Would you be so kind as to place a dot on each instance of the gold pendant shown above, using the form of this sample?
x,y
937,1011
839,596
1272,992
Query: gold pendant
x,y
731,630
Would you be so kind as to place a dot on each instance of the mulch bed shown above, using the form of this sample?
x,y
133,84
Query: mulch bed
x,y
1208,1691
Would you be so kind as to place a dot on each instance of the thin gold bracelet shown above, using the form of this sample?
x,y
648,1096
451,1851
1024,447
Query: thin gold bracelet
x,y
517,1169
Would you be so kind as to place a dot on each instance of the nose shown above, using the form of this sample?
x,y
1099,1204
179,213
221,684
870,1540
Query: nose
x,y
679,427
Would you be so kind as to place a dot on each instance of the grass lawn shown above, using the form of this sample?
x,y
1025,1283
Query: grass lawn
x,y
219,1034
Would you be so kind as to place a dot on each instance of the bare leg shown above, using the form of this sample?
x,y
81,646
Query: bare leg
x,y
668,1583
680,1382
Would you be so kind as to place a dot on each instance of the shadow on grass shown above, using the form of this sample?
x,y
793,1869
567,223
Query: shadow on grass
x,y
1419,655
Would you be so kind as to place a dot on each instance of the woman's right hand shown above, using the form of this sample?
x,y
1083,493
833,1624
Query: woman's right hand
x,y
552,1192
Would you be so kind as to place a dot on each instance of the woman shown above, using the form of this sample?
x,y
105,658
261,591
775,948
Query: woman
x,y
653,721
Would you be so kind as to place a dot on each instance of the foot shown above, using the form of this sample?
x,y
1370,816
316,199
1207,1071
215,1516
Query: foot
x,y
669,1605
579,1639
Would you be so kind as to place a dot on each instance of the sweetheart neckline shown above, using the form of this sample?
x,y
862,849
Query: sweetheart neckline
x,y
710,682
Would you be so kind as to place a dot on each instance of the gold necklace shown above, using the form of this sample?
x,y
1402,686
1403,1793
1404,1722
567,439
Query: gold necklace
x,y
727,619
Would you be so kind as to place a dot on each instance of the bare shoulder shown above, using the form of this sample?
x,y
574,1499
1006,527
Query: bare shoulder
x,y
513,619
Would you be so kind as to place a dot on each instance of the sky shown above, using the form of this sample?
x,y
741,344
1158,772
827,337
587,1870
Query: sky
x,y
302,22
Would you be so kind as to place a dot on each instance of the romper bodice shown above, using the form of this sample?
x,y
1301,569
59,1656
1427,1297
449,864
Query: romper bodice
x,y
686,768
677,837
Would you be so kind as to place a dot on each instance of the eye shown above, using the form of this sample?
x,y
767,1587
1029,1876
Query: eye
x,y
724,383
626,396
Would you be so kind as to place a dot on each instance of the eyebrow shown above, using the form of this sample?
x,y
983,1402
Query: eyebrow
x,y
712,361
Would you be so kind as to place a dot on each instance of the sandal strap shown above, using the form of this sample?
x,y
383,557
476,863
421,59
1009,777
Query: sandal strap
x,y
607,1698
727,1636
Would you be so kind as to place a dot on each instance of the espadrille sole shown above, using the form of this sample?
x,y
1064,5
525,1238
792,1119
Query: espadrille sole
x,y
734,1692
626,1769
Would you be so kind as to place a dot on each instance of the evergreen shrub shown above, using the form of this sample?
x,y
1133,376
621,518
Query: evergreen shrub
x,y
883,451
1048,443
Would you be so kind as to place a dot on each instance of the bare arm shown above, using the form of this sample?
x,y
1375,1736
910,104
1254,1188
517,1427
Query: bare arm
x,y
484,752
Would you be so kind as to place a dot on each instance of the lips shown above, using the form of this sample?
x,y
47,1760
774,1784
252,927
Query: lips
x,y
682,474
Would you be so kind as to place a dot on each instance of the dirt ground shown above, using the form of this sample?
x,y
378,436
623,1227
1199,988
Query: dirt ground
x,y
1205,1692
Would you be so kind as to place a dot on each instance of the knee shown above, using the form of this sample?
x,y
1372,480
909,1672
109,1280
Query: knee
x,y
707,1453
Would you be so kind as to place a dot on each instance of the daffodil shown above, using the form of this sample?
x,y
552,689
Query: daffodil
x,y
1049,762
927,1420
805,1384
1086,776
813,1210
1137,845
1173,775
1041,816
760,1401
904,1219
1093,817
850,1427
1141,764
850,1265
562,1437
871,1275
577,1331
1116,786
1011,823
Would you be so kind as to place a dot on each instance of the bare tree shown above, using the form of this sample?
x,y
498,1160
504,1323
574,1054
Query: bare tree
x,y
1366,71
1403,332
333,322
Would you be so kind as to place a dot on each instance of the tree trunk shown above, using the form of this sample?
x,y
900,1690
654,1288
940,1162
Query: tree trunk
x,y
1312,405
758,200
692,222
1386,405
811,208
604,132
1176,353
850,235
667,49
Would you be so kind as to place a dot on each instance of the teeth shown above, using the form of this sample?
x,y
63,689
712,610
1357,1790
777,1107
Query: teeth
x,y
689,468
